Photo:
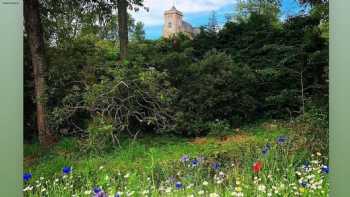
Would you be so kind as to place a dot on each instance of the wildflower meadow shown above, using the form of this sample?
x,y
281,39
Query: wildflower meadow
x,y
267,165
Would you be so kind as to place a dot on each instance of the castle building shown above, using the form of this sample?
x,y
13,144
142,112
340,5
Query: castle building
x,y
174,24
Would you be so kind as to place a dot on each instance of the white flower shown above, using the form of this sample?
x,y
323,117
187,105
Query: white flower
x,y
127,175
190,186
213,195
238,182
145,192
168,190
87,192
43,189
205,183
318,154
41,178
101,167
28,188
74,195
201,192
237,194
130,193
262,188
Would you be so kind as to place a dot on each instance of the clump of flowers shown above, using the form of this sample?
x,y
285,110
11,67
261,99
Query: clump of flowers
x,y
257,166
27,176
67,170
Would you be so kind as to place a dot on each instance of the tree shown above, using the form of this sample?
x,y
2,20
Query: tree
x,y
123,28
213,22
139,32
36,42
259,7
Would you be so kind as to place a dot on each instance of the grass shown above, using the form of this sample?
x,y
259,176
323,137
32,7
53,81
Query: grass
x,y
152,165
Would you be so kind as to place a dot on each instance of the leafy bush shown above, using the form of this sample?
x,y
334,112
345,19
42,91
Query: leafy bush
x,y
100,132
215,88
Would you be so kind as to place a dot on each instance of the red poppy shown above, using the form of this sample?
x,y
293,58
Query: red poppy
x,y
257,166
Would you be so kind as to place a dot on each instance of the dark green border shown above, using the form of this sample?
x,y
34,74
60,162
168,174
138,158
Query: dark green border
x,y
340,97
11,103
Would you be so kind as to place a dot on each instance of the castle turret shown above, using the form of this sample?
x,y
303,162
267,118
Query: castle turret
x,y
172,22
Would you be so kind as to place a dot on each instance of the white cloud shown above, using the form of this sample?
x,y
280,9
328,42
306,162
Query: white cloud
x,y
157,7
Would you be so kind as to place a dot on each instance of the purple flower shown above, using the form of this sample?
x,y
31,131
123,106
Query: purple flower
x,y
216,166
195,162
178,185
325,169
185,158
27,176
67,170
97,190
101,194
281,140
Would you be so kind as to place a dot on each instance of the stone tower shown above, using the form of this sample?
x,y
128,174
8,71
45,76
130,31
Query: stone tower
x,y
172,22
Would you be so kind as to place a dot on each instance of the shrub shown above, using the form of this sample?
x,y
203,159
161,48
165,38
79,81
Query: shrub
x,y
215,88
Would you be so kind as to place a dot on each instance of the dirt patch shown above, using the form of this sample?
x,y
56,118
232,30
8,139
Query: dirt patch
x,y
270,126
29,160
238,138
200,140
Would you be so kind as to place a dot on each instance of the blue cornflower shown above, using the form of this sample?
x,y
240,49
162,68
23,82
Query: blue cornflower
x,y
27,176
178,185
216,166
67,170
117,194
265,151
306,165
304,184
325,169
281,139
97,190
185,158
194,162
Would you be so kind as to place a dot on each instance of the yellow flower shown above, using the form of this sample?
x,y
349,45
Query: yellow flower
x,y
238,189
301,190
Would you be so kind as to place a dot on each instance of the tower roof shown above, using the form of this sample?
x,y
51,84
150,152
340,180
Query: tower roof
x,y
173,10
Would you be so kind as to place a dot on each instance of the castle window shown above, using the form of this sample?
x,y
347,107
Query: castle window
x,y
169,24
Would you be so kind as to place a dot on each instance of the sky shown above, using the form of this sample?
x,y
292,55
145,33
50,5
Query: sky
x,y
196,12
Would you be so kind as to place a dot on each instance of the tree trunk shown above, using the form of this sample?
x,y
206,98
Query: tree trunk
x,y
302,92
123,28
36,44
